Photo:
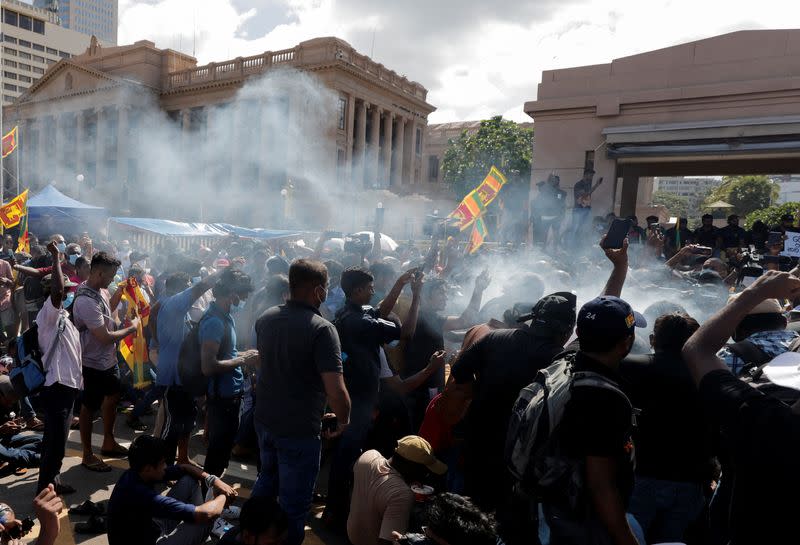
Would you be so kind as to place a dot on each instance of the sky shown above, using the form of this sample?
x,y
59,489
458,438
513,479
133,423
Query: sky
x,y
477,58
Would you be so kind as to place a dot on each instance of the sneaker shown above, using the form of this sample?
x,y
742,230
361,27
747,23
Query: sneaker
x,y
220,528
231,513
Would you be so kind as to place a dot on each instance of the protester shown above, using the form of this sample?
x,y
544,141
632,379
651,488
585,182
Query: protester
x,y
382,496
450,519
547,210
301,365
582,205
732,237
138,514
707,235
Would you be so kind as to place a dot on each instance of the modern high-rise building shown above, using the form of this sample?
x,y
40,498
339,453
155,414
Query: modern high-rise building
x,y
32,40
93,17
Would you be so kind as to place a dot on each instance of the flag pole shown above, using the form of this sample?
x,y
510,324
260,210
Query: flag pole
x,y
16,159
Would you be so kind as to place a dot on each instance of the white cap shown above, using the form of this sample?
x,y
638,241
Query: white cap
x,y
767,306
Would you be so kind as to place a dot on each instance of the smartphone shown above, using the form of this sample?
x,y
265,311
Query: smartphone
x,y
616,233
775,238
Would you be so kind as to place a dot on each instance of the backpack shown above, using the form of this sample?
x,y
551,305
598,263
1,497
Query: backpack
x,y
93,295
532,452
30,373
749,353
190,366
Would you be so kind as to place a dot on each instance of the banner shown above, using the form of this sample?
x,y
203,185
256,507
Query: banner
x,y
133,348
14,211
478,235
473,205
9,142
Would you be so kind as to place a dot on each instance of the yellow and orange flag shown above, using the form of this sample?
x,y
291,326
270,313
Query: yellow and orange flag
x,y
9,142
13,212
133,348
472,208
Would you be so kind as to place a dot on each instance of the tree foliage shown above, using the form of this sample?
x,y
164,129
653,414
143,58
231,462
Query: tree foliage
x,y
771,215
746,193
675,204
497,142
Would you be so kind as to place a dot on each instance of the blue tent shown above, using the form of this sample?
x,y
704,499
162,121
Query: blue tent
x,y
50,211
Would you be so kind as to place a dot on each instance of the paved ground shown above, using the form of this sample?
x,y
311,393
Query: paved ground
x,y
19,491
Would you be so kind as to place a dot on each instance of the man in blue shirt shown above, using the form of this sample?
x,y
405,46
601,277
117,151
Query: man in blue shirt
x,y
172,325
139,515
222,363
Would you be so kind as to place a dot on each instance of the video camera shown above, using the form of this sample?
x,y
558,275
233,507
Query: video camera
x,y
751,265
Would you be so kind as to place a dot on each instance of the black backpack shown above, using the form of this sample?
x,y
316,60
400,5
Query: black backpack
x,y
190,367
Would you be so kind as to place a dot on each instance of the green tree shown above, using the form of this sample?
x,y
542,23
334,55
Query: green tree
x,y
772,215
497,142
675,204
746,193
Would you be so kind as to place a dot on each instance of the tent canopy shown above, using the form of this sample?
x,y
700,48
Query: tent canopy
x,y
181,229
51,211
718,204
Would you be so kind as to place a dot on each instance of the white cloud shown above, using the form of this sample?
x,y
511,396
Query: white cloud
x,y
476,58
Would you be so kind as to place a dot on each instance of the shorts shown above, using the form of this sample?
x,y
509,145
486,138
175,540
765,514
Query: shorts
x,y
181,413
99,384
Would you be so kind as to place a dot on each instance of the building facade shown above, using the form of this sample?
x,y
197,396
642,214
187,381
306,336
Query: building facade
x,y
151,133
694,189
32,41
93,17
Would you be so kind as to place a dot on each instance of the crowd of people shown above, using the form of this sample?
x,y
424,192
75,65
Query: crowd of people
x,y
404,373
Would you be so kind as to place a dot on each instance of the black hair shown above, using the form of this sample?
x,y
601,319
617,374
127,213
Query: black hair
x,y
354,278
732,216
176,282
232,281
671,331
381,269
455,519
146,450
81,262
261,515
411,471
190,265
429,286
277,285
706,217
102,259
753,323
307,274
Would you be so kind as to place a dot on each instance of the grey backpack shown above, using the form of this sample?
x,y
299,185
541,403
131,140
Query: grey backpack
x,y
532,452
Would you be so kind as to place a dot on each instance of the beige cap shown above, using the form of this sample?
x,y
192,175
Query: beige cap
x,y
767,306
416,449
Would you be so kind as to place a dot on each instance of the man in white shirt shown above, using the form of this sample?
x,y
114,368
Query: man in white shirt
x,y
60,343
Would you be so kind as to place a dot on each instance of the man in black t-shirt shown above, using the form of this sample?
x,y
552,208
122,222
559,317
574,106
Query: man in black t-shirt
x,y
732,236
760,433
547,210
706,234
595,431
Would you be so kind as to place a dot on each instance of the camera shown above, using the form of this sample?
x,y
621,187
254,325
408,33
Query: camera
x,y
19,530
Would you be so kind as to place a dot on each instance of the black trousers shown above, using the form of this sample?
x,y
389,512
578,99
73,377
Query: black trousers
x,y
223,424
57,401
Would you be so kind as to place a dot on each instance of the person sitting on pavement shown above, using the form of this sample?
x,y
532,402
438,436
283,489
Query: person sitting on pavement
x,y
139,515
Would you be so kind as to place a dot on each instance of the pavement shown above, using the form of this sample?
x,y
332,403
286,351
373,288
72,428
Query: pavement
x,y
19,491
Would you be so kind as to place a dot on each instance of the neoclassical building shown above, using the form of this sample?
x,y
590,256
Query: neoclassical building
x,y
315,123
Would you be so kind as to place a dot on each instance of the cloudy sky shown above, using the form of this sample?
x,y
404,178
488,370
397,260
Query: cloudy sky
x,y
476,57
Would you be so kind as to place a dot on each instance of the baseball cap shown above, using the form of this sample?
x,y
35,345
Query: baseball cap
x,y
554,313
608,316
416,449
48,279
767,306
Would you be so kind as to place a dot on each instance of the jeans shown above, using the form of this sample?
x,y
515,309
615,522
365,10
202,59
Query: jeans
x,y
347,452
665,509
26,408
289,469
175,532
57,402
21,450
581,217
556,528
246,436
223,423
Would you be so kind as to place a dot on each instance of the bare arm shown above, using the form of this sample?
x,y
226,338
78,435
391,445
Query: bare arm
x,y
106,337
409,327
338,398
113,303
605,496
211,365
470,314
210,510
57,282
205,284
388,303
404,386
619,272
30,271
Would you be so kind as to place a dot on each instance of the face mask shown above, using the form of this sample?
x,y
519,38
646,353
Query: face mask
x,y
62,247
238,307
195,280
68,299
73,258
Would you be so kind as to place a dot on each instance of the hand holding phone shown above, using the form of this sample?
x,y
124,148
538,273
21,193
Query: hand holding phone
x,y
616,235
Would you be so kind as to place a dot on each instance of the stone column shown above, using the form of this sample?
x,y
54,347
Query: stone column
x,y
386,176
80,136
39,162
122,145
630,187
99,148
236,170
360,146
374,146
349,132
411,176
58,154
397,163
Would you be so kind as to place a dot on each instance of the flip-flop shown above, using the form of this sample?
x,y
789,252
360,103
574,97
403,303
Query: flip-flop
x,y
20,471
120,452
99,466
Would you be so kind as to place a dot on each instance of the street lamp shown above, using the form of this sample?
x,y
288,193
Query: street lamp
x,y
379,217
285,197
78,181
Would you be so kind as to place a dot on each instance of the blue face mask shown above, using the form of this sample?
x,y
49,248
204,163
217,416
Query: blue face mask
x,y
69,299
195,280
73,258
62,247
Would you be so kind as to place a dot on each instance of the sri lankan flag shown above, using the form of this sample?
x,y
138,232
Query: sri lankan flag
x,y
469,209
478,235
491,186
133,348
24,242
9,142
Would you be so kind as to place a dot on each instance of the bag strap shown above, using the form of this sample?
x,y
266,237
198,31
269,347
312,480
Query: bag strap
x,y
60,326
749,353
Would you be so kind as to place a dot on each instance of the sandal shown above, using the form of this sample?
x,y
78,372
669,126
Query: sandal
x,y
20,471
95,525
117,452
99,466
88,508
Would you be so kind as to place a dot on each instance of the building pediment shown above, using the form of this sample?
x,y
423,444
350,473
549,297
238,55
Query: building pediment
x,y
68,79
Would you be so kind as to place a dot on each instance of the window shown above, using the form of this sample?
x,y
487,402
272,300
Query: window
x,y
9,39
10,63
24,55
26,79
23,66
37,70
51,51
9,87
38,26
419,146
588,160
38,58
24,43
10,17
342,111
25,22
433,168
38,47
64,54
10,51
9,75
50,61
